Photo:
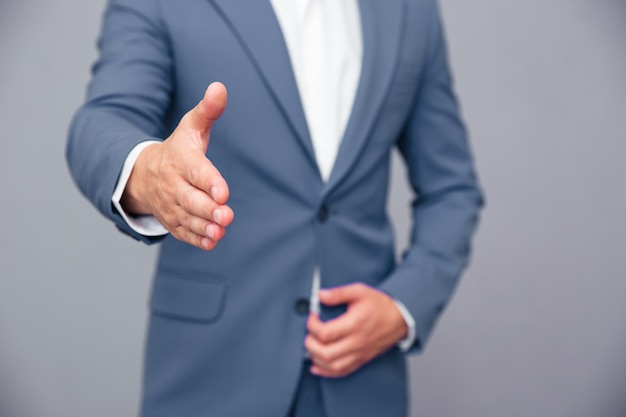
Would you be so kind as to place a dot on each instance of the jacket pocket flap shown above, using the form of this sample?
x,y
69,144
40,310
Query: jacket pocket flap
x,y
180,296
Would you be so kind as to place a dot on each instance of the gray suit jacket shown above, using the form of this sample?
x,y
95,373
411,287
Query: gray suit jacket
x,y
224,336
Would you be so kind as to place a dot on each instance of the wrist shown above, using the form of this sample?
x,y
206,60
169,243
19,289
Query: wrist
x,y
134,198
398,322
402,327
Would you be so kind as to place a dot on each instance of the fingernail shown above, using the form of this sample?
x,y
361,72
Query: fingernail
x,y
215,192
210,231
217,216
324,293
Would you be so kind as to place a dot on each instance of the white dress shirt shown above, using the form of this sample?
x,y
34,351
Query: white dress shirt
x,y
325,44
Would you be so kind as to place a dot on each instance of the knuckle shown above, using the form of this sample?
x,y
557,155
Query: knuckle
x,y
355,321
336,369
178,215
183,234
184,220
187,199
168,218
197,171
308,343
196,241
325,335
360,343
326,357
349,322
179,232
322,360
201,177
192,176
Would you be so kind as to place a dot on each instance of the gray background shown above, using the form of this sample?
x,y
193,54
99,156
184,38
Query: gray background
x,y
538,324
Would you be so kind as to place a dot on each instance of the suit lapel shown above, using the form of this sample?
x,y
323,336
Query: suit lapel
x,y
255,23
382,25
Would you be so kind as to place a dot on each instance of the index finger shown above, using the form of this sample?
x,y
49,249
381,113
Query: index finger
x,y
202,174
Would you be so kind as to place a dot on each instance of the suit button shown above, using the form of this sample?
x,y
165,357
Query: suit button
x,y
322,214
302,306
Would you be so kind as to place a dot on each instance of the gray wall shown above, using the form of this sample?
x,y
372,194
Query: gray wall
x,y
538,324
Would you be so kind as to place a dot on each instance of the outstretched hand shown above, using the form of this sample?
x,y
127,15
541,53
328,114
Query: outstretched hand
x,y
175,182
370,326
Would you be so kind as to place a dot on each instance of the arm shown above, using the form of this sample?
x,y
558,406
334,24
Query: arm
x,y
127,102
445,214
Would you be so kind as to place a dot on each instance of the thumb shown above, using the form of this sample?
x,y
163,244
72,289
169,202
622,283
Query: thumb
x,y
210,108
342,295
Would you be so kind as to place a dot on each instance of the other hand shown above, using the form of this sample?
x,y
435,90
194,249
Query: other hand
x,y
175,182
370,326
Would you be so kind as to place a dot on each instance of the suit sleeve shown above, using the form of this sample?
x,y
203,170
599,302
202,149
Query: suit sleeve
x,y
445,211
127,101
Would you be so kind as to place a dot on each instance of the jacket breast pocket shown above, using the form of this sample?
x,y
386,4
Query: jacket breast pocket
x,y
191,296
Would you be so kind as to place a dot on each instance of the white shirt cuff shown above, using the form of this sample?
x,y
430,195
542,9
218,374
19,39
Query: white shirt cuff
x,y
144,225
406,343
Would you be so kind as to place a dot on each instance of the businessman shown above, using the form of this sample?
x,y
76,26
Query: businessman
x,y
276,291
